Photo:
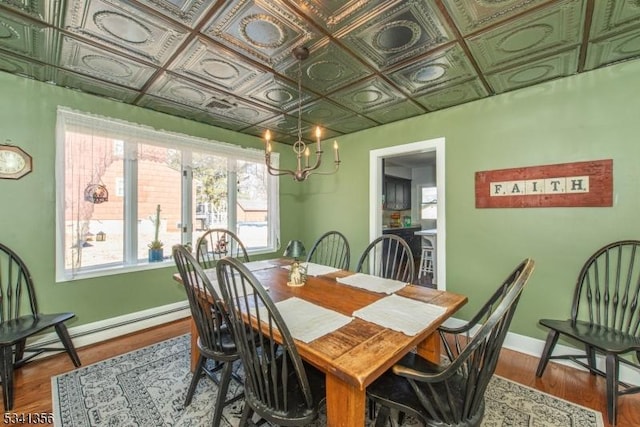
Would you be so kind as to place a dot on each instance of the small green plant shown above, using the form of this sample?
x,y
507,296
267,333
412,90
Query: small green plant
x,y
156,243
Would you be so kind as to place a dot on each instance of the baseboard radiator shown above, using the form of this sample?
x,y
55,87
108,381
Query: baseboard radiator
x,y
103,330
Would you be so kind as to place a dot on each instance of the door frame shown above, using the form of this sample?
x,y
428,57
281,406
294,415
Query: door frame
x,y
375,194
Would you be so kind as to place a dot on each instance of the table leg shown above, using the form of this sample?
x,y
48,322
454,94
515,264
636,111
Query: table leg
x,y
345,403
194,345
430,348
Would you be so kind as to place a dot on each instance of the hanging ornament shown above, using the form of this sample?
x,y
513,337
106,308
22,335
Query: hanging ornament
x,y
96,193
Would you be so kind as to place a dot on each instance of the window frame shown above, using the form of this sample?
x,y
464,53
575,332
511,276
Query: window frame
x,y
422,203
120,130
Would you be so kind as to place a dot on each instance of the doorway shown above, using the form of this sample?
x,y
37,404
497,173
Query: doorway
x,y
376,177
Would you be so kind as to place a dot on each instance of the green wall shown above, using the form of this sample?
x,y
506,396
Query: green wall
x,y
590,116
27,216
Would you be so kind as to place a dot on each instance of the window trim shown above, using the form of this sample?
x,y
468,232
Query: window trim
x,y
114,128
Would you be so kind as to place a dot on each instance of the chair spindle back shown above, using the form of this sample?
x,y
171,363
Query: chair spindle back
x,y
608,288
15,285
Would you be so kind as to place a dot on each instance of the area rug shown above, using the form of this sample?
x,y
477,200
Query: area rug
x,y
146,388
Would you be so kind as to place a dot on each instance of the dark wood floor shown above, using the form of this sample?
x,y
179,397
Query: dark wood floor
x,y
33,382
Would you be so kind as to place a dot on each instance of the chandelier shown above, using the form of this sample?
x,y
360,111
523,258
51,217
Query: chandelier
x,y
301,149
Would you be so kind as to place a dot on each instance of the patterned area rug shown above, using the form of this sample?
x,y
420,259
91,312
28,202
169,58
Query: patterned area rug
x,y
146,388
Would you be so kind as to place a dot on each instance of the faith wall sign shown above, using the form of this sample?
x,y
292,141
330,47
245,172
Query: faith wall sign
x,y
562,185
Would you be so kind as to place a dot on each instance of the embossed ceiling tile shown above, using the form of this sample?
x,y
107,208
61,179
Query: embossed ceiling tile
x,y
444,68
166,106
21,66
221,121
121,25
450,96
543,32
265,30
328,68
326,133
399,111
334,15
613,16
257,132
87,59
186,92
24,37
187,12
409,28
473,15
613,49
202,61
368,95
322,112
277,135
44,10
284,128
96,87
282,124
352,124
207,99
276,92
561,65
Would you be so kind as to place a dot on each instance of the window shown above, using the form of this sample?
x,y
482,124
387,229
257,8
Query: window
x,y
113,176
428,202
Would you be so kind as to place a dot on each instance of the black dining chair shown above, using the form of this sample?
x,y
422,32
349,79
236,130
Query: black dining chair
x,y
218,243
215,339
388,256
331,249
452,393
18,296
279,386
605,318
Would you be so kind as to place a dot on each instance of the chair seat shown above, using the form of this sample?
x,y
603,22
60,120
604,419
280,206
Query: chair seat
x,y
605,339
228,349
298,413
15,330
396,391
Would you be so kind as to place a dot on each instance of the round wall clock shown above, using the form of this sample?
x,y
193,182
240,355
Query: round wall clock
x,y
14,163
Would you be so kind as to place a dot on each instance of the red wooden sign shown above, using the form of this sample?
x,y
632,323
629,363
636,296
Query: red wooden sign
x,y
561,185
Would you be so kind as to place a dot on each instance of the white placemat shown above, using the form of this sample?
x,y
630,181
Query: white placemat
x,y
372,283
314,269
259,265
307,321
211,274
401,314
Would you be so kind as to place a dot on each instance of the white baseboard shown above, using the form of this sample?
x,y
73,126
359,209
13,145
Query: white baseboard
x,y
92,333
534,347
103,330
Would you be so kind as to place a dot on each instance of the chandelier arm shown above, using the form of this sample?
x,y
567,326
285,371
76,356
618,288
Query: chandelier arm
x,y
327,172
316,165
278,172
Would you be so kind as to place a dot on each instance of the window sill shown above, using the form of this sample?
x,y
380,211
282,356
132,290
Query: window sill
x,y
122,269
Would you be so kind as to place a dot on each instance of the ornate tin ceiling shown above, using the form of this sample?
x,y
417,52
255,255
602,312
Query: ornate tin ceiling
x,y
229,63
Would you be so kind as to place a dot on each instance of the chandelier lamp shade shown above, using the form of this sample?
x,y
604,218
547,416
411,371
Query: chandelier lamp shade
x,y
300,148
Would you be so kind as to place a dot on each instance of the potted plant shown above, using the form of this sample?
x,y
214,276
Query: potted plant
x,y
155,247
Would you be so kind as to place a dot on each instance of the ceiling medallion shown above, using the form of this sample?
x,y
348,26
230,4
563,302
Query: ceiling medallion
x,y
299,147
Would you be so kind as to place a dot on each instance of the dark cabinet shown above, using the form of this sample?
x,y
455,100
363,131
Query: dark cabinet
x,y
408,234
397,193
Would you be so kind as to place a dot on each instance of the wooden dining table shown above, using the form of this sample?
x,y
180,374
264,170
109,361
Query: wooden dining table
x,y
353,356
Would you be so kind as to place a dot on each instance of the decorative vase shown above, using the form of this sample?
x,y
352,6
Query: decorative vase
x,y
156,255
